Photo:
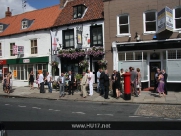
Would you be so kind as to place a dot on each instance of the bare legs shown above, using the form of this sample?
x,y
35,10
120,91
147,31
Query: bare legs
x,y
117,93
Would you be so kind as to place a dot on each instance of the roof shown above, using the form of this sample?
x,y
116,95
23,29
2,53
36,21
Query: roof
x,y
94,12
43,19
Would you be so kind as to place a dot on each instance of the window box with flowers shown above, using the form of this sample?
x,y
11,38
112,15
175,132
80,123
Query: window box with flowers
x,y
95,51
102,63
71,53
84,64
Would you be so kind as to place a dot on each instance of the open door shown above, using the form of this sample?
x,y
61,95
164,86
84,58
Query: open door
x,y
153,67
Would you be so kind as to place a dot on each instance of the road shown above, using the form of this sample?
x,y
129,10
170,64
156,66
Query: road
x,y
25,109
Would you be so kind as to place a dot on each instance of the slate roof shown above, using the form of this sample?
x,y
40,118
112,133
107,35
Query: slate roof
x,y
42,19
94,12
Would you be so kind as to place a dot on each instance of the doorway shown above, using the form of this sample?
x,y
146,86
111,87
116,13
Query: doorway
x,y
96,68
153,67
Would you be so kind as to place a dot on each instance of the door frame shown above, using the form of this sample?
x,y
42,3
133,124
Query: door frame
x,y
157,61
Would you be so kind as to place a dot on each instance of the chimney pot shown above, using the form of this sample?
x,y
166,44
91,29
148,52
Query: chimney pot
x,y
8,13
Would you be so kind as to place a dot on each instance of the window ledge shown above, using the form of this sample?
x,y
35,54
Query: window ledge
x,y
177,30
123,35
148,33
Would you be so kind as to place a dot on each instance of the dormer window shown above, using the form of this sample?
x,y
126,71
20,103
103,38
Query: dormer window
x,y
79,11
1,28
24,24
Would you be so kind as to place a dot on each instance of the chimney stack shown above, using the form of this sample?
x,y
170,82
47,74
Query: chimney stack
x,y
8,13
62,2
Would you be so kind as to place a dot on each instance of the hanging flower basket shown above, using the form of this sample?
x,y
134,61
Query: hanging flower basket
x,y
102,63
54,64
84,64
71,53
95,51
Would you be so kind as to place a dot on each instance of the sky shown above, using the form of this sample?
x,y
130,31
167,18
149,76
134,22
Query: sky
x,y
16,5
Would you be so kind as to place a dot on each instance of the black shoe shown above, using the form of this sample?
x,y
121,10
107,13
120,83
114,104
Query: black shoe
x,y
136,95
69,94
72,93
107,98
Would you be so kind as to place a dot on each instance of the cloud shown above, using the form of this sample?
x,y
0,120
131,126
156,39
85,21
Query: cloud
x,y
15,7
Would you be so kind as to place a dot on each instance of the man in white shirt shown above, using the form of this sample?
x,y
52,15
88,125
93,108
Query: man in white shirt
x,y
98,76
49,79
90,78
41,77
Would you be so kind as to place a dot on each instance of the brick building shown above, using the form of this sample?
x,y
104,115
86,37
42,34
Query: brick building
x,y
144,34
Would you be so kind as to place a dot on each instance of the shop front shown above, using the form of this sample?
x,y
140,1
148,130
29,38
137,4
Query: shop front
x,y
21,68
149,55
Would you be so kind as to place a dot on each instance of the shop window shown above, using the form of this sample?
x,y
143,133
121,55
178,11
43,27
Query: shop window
x,y
121,56
177,18
79,11
171,54
138,55
68,38
0,50
123,25
34,47
144,55
129,56
149,21
155,56
96,35
178,54
11,49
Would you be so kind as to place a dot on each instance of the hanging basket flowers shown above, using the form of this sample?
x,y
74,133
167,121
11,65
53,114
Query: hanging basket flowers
x,y
71,53
83,63
95,51
102,63
54,64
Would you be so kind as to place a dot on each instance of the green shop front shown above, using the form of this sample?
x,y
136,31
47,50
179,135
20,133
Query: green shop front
x,y
21,67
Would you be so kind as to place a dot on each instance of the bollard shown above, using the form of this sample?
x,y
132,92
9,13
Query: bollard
x,y
127,86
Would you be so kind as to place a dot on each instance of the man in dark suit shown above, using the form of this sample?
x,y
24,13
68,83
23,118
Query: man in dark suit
x,y
106,84
71,79
165,80
113,83
101,81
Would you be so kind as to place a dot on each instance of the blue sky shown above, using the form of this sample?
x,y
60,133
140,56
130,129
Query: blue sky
x,y
38,4
17,8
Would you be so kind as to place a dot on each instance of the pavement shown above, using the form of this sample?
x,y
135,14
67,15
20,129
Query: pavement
x,y
146,97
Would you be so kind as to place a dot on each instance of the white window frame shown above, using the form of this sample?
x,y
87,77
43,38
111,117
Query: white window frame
x,y
118,25
144,22
24,24
174,19
1,28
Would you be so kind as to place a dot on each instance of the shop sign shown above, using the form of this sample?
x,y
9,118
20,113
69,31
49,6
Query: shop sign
x,y
21,49
15,73
15,49
26,60
3,62
165,20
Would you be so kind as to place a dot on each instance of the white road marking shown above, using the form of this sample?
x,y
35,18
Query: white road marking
x,y
36,108
104,114
7,104
134,116
56,110
21,106
50,109
168,118
79,112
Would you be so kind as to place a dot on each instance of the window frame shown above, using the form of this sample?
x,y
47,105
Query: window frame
x,y
64,45
83,9
33,46
118,26
11,50
144,22
91,35
174,26
1,28
26,23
